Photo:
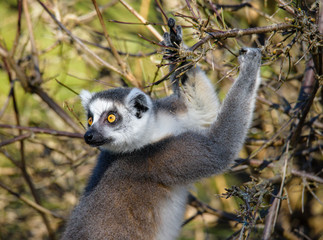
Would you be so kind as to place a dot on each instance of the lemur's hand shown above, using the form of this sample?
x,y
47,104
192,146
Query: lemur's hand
x,y
250,58
250,61
172,39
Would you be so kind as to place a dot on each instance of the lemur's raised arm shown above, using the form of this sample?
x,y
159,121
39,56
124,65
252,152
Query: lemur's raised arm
x,y
190,84
151,150
191,156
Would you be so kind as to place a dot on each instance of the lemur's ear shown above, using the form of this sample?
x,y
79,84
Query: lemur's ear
x,y
85,98
139,101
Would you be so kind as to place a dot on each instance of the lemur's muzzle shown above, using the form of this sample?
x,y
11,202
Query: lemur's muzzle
x,y
94,138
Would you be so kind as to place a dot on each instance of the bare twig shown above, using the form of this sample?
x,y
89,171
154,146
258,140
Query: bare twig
x,y
278,133
306,175
30,203
84,47
142,19
165,18
120,52
136,23
53,105
204,208
114,51
285,6
241,32
37,79
15,43
286,158
15,139
269,220
89,16
191,9
43,131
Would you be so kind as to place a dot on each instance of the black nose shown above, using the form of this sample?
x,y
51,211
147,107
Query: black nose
x,y
88,136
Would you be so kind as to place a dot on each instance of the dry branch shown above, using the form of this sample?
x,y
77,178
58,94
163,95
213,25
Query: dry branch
x,y
30,203
43,131
241,32
38,79
114,51
15,139
142,19
85,48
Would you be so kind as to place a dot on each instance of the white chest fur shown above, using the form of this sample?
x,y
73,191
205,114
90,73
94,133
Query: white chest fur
x,y
171,214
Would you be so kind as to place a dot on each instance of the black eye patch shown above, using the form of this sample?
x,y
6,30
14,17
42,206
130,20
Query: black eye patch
x,y
110,118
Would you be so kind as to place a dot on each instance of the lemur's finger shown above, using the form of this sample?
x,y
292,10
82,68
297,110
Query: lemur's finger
x,y
167,40
171,22
179,34
175,36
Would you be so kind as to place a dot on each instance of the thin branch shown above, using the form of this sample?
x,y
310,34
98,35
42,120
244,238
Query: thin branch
x,y
191,9
306,175
164,15
269,220
286,157
59,111
204,208
119,52
15,43
241,32
67,87
15,139
136,23
114,51
43,131
285,6
270,141
89,16
38,79
30,203
84,47
6,57
142,19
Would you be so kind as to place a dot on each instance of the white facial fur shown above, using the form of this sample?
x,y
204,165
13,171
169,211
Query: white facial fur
x,y
85,97
132,133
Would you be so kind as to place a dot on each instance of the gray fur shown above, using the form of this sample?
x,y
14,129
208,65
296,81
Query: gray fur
x,y
128,191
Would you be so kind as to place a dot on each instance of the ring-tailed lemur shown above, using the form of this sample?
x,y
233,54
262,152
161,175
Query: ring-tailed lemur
x,y
138,189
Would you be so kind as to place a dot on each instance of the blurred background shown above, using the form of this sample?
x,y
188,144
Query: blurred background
x,y
51,49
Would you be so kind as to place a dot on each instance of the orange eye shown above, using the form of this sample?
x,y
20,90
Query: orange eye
x,y
90,121
111,118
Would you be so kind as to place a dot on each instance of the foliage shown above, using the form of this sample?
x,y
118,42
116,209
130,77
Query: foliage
x,y
50,50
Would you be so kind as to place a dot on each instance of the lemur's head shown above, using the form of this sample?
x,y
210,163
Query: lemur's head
x,y
118,119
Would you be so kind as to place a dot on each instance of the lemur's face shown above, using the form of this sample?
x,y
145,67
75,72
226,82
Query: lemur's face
x,y
117,119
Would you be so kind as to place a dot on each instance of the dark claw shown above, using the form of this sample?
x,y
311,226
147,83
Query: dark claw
x,y
171,22
174,37
242,51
